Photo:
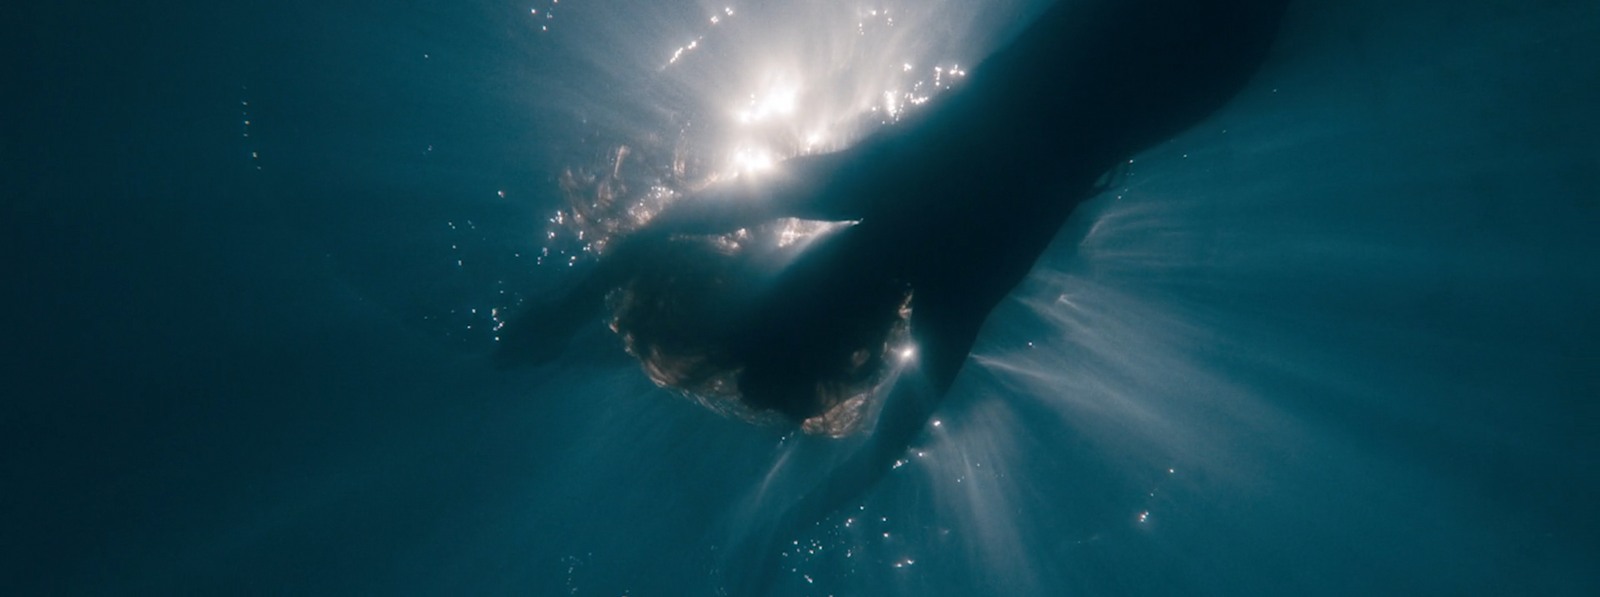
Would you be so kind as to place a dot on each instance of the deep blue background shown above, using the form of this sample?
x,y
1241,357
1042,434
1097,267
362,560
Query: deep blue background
x,y
1361,323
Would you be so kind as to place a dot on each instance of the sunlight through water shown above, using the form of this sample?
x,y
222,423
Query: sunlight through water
x,y
1258,357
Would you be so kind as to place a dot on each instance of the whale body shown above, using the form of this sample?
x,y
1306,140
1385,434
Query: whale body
x,y
948,210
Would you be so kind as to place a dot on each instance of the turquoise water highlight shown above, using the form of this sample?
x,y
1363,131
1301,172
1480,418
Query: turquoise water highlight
x,y
1338,339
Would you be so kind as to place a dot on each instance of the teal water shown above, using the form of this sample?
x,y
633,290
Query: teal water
x,y
1340,338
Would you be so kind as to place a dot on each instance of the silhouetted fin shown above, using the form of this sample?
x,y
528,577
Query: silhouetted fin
x,y
791,189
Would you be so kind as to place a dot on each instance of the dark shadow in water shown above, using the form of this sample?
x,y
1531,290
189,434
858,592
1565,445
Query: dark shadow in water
x,y
952,205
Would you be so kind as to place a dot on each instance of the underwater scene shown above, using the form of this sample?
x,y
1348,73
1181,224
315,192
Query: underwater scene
x,y
805,297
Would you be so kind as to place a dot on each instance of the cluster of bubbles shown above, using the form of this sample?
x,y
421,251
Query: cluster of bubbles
x,y
545,16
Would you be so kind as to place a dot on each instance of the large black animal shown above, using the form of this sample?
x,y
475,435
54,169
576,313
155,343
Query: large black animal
x,y
952,206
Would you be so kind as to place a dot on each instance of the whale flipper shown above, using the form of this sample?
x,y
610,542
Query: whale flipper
x,y
794,188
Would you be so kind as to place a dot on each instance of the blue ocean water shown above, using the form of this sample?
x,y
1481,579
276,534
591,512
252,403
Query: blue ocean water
x,y
1341,338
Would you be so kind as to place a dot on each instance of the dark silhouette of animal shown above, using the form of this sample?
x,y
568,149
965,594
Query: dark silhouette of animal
x,y
951,207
